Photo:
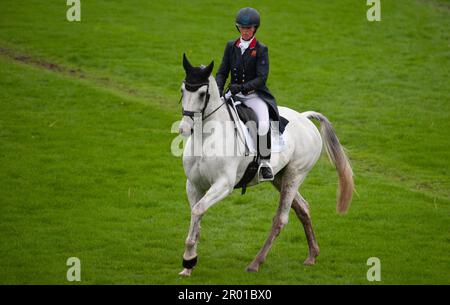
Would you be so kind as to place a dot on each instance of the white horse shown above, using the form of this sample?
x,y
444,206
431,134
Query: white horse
x,y
211,178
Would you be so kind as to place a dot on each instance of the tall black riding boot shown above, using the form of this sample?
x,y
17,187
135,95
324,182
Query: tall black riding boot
x,y
265,171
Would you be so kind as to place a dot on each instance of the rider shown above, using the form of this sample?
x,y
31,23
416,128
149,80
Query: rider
x,y
248,61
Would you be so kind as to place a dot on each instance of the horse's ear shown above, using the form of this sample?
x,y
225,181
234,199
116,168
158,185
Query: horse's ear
x,y
209,68
186,64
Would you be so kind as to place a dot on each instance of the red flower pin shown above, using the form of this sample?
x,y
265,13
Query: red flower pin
x,y
253,53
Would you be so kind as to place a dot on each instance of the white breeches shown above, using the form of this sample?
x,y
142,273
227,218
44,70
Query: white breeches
x,y
259,107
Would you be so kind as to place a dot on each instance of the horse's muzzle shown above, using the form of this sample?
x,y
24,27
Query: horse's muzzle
x,y
185,128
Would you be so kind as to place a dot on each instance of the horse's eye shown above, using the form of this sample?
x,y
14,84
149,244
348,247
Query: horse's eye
x,y
202,95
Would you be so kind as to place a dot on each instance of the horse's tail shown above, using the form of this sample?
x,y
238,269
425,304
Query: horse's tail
x,y
337,156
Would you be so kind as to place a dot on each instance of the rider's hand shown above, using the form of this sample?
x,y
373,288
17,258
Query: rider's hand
x,y
235,88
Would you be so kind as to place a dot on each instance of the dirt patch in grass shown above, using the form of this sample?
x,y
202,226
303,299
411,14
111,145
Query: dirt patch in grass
x,y
75,72
39,62
58,68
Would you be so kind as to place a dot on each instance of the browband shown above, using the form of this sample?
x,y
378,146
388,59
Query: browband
x,y
193,87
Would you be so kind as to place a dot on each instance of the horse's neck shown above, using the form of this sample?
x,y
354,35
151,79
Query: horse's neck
x,y
215,104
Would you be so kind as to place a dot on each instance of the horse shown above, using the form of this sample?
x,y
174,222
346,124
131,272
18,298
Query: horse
x,y
211,178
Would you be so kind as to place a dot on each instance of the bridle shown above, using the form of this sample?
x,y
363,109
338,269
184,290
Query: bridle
x,y
191,114
193,88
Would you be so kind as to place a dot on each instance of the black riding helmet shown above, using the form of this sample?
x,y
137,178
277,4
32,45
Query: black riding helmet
x,y
247,17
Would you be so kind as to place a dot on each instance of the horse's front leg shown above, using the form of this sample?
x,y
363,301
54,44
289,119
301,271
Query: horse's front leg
x,y
194,195
216,192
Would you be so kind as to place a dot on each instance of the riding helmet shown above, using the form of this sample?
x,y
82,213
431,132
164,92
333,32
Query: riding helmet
x,y
247,17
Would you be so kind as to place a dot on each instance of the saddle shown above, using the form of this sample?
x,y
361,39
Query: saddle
x,y
245,113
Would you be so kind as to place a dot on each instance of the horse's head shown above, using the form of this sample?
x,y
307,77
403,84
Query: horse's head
x,y
195,93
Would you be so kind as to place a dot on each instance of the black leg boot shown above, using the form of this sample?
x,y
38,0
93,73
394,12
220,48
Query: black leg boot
x,y
265,172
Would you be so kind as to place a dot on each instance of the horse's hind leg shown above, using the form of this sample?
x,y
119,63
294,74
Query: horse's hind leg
x,y
301,208
289,186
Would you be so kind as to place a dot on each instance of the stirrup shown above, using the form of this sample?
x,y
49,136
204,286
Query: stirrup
x,y
264,163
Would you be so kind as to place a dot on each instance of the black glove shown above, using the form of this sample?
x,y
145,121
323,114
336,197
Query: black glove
x,y
235,88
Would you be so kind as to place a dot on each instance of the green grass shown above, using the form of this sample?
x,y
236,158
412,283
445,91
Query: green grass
x,y
86,163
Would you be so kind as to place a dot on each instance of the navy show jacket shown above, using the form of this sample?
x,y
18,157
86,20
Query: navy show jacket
x,y
250,69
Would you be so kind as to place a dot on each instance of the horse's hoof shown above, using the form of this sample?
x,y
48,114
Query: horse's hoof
x,y
309,261
252,268
185,272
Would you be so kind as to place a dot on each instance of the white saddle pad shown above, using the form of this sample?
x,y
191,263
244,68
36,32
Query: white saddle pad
x,y
277,141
